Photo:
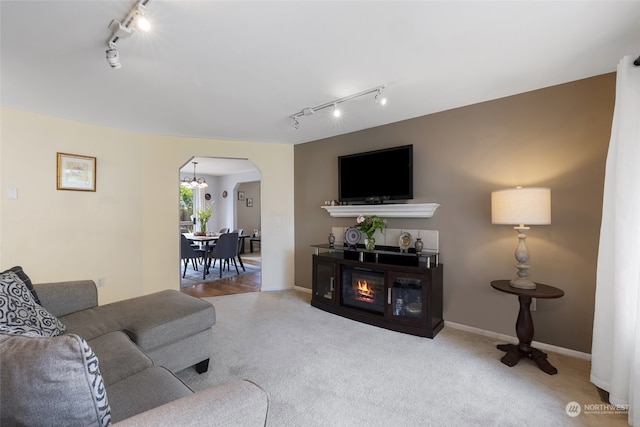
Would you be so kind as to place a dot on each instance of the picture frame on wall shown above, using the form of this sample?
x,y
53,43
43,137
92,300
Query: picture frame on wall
x,y
249,202
76,172
240,195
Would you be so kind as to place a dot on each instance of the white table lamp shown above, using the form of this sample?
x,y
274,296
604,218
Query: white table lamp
x,y
519,206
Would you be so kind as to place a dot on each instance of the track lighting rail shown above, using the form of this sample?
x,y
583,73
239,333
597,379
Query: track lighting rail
x,y
308,111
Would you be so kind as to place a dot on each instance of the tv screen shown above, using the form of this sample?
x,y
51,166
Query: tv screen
x,y
376,176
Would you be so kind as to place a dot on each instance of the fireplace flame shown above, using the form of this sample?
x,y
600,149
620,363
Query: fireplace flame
x,y
365,291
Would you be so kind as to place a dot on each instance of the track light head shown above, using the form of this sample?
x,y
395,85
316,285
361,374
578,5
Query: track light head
x,y
379,98
296,123
336,111
143,23
113,58
120,30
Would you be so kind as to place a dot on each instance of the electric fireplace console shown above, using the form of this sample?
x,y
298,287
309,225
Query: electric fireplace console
x,y
385,288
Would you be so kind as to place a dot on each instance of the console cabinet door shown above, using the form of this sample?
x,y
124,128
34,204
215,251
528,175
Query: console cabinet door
x,y
324,281
406,294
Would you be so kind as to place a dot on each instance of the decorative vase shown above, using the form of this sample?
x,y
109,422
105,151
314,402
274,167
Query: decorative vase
x,y
370,243
332,239
419,245
203,229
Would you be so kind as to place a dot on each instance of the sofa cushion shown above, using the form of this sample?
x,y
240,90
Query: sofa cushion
x,y
45,379
151,321
26,280
143,391
62,298
119,357
169,316
20,314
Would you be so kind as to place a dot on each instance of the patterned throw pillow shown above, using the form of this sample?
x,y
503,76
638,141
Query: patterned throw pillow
x,y
51,381
96,382
20,314
26,280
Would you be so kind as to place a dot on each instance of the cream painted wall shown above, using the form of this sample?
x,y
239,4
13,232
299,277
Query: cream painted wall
x,y
555,137
126,230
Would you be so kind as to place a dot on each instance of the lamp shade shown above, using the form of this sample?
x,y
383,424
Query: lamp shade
x,y
526,206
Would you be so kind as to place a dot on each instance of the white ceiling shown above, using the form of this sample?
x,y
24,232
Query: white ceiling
x,y
237,70
217,166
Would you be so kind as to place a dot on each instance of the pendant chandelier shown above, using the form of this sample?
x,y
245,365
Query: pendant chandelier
x,y
194,182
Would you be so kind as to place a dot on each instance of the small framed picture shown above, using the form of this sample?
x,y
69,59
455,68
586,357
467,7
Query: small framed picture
x,y
240,195
249,202
75,172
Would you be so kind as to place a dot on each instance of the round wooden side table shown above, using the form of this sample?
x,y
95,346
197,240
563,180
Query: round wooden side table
x,y
524,325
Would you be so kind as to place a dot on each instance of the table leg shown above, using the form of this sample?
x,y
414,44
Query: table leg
x,y
241,245
524,331
205,268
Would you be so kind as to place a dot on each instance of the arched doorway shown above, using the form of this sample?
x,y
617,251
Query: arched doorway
x,y
227,193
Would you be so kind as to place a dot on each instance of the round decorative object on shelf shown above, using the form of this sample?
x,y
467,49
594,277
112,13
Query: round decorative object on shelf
x,y
414,308
404,242
419,245
352,236
332,239
224,194
207,196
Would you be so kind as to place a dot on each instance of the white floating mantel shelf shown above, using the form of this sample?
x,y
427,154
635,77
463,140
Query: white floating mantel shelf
x,y
418,210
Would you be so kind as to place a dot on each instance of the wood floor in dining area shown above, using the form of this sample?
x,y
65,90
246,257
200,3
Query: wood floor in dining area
x,y
248,282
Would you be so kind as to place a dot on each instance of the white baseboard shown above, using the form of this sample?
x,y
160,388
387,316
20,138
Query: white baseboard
x,y
501,337
287,288
514,340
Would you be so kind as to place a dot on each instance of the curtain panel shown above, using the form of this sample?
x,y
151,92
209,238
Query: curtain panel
x,y
615,353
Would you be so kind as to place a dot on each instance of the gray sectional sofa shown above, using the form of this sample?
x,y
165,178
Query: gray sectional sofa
x,y
115,363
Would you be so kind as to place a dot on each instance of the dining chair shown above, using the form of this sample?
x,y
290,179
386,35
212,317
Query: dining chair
x,y
240,232
189,253
223,230
225,249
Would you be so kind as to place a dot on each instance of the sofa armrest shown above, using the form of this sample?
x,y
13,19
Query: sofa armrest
x,y
238,403
63,298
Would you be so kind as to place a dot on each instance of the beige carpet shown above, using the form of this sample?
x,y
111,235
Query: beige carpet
x,y
323,370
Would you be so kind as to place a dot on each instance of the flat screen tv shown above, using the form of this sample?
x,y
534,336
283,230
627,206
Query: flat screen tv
x,y
376,176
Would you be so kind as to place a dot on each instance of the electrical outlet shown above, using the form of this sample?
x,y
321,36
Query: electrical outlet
x,y
100,282
533,304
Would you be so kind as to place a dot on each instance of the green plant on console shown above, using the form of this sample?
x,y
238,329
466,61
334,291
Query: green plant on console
x,y
370,223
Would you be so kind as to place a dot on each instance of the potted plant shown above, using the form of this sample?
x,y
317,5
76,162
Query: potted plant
x,y
203,217
368,225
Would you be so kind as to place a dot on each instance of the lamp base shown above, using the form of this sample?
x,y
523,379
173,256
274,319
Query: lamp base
x,y
522,283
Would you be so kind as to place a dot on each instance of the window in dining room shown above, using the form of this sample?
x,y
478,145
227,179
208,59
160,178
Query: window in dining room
x,y
186,207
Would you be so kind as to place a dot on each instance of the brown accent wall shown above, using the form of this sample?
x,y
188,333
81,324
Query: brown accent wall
x,y
555,137
249,216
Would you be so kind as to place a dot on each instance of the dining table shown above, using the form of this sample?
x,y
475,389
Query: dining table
x,y
207,241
